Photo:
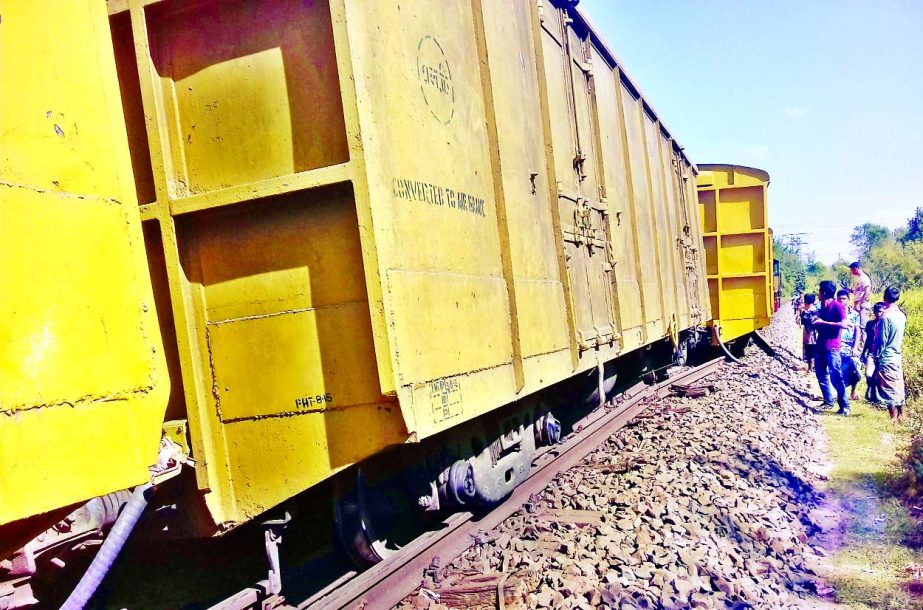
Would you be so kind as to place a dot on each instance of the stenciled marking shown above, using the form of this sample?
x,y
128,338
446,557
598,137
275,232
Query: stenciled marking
x,y
313,401
446,398
433,194
435,79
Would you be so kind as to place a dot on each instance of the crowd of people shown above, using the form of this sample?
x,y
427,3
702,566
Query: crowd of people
x,y
846,337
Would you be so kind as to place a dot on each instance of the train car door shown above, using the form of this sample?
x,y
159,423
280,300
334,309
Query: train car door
x,y
583,212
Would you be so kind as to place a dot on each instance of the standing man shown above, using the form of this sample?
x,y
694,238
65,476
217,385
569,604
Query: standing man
x,y
862,292
868,353
830,322
808,335
889,365
849,345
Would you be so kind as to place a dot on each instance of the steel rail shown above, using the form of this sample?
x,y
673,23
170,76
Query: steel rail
x,y
384,586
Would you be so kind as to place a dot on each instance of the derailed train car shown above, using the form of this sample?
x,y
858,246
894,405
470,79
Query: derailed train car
x,y
365,226
738,249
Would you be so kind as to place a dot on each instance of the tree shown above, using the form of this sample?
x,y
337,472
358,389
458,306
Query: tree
x,y
816,268
843,274
800,282
914,227
790,266
867,236
814,272
892,264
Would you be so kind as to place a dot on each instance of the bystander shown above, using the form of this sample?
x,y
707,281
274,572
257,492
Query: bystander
x,y
830,322
849,345
868,353
889,364
808,335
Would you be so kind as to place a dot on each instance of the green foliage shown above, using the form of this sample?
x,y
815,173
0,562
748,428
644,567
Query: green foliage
x,y
843,275
814,273
914,230
890,258
912,304
894,264
911,483
867,236
816,268
792,268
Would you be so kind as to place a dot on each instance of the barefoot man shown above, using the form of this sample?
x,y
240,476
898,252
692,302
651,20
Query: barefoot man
x,y
889,369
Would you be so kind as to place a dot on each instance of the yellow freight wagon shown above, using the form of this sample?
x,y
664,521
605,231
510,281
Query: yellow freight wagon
x,y
738,247
83,380
366,224
370,234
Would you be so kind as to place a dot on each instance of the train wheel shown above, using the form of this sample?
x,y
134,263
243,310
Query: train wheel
x,y
740,346
373,521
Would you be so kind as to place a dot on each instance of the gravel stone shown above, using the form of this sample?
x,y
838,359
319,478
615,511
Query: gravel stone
x,y
703,502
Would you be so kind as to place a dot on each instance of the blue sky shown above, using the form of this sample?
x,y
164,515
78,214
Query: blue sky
x,y
825,96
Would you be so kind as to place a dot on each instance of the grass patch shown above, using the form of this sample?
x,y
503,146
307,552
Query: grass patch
x,y
862,445
874,545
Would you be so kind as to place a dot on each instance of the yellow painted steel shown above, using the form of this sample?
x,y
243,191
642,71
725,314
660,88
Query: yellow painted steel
x,y
371,222
83,383
738,247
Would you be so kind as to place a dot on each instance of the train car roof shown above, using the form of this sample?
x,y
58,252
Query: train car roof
x,y
755,171
584,20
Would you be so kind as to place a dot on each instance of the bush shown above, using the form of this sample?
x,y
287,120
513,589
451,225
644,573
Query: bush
x,y
912,304
912,481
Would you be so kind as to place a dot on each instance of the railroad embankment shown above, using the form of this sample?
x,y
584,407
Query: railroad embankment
x,y
738,494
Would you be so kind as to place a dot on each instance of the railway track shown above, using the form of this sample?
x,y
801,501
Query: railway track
x,y
386,584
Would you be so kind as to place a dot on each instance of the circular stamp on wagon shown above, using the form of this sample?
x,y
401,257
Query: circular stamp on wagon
x,y
435,79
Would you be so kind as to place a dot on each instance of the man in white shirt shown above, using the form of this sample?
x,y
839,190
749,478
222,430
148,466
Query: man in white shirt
x,y
862,292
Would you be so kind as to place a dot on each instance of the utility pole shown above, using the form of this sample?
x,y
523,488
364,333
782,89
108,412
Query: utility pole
x,y
794,240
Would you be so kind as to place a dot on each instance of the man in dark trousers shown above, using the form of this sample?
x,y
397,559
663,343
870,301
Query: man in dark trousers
x,y
830,322
809,336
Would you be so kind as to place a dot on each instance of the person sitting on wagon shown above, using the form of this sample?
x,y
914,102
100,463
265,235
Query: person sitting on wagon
x,y
862,291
